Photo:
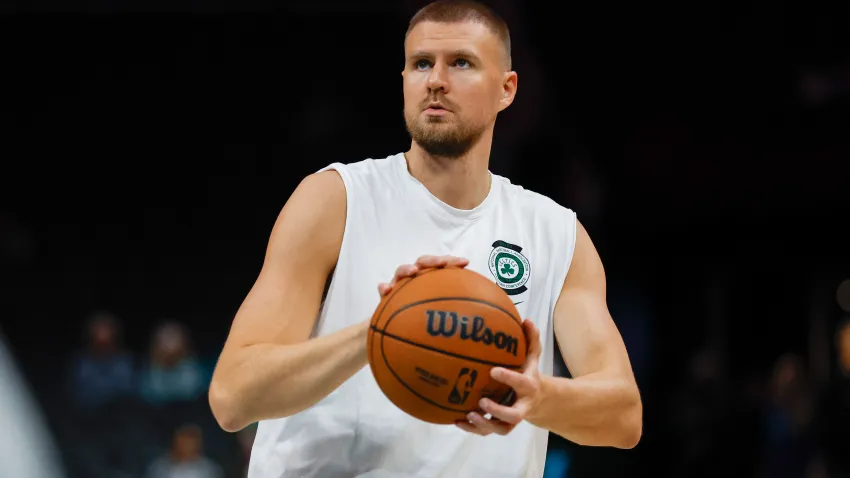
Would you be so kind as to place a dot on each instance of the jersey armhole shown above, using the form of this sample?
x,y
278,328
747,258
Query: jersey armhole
x,y
572,225
343,172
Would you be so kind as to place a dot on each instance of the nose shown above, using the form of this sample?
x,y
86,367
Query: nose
x,y
438,79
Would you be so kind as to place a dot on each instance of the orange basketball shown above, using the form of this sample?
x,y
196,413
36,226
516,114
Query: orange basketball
x,y
434,338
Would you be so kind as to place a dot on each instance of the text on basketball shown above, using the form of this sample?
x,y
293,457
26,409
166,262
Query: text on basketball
x,y
446,324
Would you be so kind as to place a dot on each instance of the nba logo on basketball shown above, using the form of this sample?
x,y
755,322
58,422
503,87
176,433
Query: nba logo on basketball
x,y
464,383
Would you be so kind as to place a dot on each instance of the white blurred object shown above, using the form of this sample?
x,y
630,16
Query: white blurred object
x,y
26,447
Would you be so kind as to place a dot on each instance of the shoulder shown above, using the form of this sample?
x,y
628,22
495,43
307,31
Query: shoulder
x,y
320,196
531,202
311,222
366,169
368,179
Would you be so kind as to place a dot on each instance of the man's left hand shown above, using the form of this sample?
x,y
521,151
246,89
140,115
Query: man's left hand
x,y
526,385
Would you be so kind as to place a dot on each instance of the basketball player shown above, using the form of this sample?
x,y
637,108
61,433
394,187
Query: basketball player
x,y
295,358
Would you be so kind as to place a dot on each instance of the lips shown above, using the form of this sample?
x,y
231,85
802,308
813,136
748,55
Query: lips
x,y
436,106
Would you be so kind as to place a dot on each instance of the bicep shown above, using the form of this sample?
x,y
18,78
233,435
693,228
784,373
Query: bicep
x,y
303,248
588,338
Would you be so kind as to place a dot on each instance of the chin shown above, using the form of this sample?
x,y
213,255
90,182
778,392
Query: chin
x,y
435,120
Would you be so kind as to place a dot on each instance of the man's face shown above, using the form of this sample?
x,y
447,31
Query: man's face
x,y
455,83
103,334
187,444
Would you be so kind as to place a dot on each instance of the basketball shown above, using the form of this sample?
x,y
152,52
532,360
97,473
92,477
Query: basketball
x,y
434,338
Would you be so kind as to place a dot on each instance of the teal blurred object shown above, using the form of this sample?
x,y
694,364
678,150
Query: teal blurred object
x,y
557,464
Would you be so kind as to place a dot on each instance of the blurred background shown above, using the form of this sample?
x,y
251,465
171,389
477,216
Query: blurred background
x,y
148,147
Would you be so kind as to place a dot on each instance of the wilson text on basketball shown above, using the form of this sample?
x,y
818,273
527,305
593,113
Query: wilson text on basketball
x,y
448,324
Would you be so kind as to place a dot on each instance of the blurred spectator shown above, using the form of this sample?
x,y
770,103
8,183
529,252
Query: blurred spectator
x,y
186,458
789,440
103,371
835,409
173,373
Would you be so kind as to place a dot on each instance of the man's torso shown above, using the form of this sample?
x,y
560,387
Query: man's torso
x,y
392,220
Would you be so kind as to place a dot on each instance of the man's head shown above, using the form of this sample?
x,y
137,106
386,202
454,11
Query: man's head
x,y
170,344
102,332
457,75
187,443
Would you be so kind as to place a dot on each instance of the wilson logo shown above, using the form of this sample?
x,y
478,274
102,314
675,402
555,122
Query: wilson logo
x,y
448,324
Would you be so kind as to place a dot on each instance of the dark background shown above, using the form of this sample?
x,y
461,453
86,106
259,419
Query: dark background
x,y
149,146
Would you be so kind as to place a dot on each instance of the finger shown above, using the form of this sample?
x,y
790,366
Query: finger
x,y
452,261
532,335
427,262
468,427
406,270
489,426
510,415
383,289
521,383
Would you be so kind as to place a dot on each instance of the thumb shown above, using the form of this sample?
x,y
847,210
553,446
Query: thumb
x,y
532,361
532,336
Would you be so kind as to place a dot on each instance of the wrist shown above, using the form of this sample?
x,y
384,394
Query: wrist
x,y
362,335
548,396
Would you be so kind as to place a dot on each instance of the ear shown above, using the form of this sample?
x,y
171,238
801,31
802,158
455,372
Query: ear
x,y
509,85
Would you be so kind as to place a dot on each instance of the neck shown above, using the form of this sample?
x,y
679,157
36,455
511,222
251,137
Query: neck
x,y
462,182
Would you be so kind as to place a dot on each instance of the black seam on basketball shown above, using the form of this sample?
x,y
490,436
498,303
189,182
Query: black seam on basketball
x,y
381,312
425,399
437,299
444,352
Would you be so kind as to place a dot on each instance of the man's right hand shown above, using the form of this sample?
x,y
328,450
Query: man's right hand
x,y
423,263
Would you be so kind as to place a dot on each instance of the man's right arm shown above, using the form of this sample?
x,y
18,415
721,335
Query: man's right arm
x,y
268,368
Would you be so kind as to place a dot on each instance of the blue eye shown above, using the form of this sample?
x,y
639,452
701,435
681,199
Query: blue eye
x,y
461,63
422,64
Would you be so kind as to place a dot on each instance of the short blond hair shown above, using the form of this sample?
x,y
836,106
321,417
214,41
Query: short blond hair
x,y
456,11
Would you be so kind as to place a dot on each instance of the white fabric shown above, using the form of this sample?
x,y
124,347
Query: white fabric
x,y
391,220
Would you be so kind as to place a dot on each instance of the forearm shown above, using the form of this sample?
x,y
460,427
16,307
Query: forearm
x,y
595,410
264,381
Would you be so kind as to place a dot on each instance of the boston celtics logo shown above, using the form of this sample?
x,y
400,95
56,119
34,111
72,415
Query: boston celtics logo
x,y
510,268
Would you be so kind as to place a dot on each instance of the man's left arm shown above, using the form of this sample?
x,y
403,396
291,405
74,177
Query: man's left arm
x,y
600,405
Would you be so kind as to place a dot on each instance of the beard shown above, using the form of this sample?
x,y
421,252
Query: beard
x,y
441,137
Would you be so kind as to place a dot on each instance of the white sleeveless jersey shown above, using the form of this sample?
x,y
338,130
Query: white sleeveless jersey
x,y
392,219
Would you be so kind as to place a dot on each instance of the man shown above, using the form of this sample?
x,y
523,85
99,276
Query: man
x,y
295,363
186,458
